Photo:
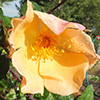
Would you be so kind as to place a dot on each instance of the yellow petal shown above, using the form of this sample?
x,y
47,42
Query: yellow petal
x,y
32,83
25,31
15,22
65,74
17,37
77,41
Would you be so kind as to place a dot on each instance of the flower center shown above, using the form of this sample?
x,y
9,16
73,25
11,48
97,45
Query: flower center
x,y
43,42
45,45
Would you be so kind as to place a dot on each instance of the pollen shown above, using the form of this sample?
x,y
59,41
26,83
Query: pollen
x,y
46,45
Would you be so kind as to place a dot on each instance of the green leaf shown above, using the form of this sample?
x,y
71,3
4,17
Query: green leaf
x,y
50,97
11,95
59,97
10,84
23,98
46,93
35,7
1,13
1,49
7,21
87,94
3,83
37,96
3,37
1,89
95,78
4,52
4,65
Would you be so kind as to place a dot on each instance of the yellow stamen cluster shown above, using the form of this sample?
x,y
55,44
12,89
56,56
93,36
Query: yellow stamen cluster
x,y
45,46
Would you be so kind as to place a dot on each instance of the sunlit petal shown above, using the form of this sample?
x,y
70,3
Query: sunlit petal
x,y
51,52
64,75
15,22
32,83
76,41
17,36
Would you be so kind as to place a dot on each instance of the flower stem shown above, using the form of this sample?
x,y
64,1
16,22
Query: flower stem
x,y
56,7
11,70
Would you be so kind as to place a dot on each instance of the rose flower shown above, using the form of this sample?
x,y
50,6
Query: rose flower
x,y
50,53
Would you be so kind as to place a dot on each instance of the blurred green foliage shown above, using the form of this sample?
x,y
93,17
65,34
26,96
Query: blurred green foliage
x,y
6,20
87,94
95,78
4,66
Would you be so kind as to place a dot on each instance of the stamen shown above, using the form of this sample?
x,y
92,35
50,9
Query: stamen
x,y
45,46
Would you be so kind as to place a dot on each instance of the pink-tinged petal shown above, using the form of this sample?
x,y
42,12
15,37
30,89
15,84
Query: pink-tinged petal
x,y
64,75
98,56
80,26
32,82
56,24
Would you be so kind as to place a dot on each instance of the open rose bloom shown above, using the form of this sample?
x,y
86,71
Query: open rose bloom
x,y
51,53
